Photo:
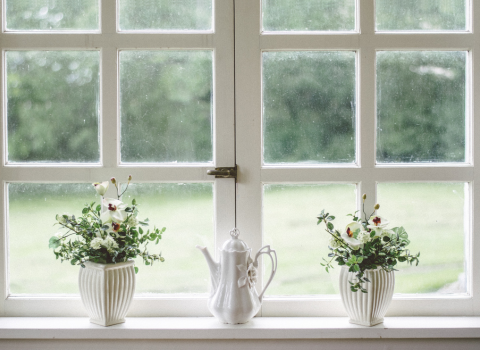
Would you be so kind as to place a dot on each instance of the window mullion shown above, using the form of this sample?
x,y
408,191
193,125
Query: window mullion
x,y
366,118
475,188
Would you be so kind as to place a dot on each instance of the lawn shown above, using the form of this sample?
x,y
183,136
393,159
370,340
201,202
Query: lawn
x,y
433,214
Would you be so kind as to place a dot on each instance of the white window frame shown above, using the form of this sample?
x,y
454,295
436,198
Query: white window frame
x,y
237,81
253,174
109,41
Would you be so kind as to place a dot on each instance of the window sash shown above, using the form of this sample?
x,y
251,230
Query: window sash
x,y
249,44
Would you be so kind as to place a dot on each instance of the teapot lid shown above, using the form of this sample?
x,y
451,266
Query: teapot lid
x,y
235,244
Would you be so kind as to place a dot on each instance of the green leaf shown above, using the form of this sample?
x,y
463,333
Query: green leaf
x,y
98,208
356,268
85,210
359,259
54,242
136,269
134,202
330,226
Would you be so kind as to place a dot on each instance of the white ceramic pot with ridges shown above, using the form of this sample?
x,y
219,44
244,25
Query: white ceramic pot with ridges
x,y
107,291
367,309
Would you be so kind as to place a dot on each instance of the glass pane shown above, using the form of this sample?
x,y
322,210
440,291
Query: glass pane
x,y
53,106
33,268
186,210
166,14
428,15
421,106
308,15
289,218
434,216
309,107
166,106
46,15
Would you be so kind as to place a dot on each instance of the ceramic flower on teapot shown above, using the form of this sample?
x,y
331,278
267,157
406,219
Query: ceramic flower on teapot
x,y
366,245
234,298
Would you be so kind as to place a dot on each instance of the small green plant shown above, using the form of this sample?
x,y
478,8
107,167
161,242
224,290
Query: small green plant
x,y
366,245
106,233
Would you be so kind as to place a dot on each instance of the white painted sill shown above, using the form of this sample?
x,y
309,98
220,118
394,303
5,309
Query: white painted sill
x,y
258,328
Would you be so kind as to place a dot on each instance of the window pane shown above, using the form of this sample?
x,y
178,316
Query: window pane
x,y
166,106
434,216
289,218
186,210
308,15
309,107
165,15
421,106
428,15
53,106
33,268
46,15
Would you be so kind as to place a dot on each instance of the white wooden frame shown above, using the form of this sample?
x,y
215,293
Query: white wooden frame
x,y
109,41
249,45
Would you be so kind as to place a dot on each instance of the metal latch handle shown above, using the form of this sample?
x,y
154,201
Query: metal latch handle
x,y
224,173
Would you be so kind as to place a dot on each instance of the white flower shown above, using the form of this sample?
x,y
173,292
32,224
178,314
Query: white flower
x,y
334,243
377,221
96,243
364,237
110,244
59,234
113,228
115,211
132,221
101,187
249,275
352,229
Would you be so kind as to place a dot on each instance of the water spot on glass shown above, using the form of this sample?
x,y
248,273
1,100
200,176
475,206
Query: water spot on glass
x,y
56,66
73,65
43,12
58,17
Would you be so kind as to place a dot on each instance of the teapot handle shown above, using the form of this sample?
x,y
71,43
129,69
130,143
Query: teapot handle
x,y
274,265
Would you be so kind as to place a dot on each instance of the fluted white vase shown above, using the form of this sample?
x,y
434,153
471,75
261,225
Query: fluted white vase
x,y
367,309
107,291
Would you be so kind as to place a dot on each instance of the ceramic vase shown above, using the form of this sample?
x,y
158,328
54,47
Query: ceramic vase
x,y
107,291
367,309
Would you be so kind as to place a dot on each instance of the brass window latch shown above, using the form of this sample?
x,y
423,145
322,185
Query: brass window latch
x,y
224,173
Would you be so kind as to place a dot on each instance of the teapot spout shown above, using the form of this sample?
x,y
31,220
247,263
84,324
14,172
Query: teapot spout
x,y
213,266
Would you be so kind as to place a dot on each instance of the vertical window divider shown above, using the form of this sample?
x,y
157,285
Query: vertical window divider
x,y
475,147
366,95
109,121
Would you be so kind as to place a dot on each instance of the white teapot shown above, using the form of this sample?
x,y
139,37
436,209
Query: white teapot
x,y
234,298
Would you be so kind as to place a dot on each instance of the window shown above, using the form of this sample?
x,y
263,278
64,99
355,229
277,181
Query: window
x,y
317,101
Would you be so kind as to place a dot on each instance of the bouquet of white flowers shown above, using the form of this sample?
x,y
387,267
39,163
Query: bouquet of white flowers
x,y
366,245
106,236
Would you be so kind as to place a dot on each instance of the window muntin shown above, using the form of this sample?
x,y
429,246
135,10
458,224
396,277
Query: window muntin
x,y
46,15
53,106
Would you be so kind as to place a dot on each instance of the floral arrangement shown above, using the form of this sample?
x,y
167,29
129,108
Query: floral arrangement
x,y
366,245
106,236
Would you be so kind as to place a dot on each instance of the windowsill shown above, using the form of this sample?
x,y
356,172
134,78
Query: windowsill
x,y
258,328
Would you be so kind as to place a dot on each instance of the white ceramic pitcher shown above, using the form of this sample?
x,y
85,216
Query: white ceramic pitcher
x,y
234,298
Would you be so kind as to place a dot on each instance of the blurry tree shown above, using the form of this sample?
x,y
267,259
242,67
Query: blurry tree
x,y
166,99
52,14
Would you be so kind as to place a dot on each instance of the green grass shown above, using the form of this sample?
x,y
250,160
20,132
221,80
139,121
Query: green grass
x,y
432,215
